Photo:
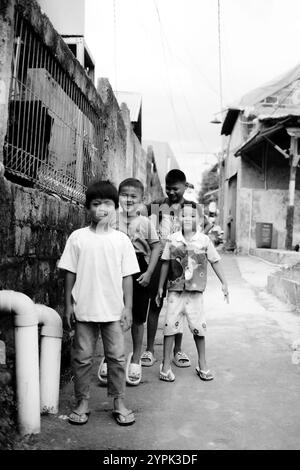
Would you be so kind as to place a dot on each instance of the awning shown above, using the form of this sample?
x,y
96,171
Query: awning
x,y
258,138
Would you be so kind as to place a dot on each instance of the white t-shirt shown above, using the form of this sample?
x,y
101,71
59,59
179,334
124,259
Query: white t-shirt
x,y
100,261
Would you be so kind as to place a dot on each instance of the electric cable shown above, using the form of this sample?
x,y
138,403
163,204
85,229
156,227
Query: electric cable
x,y
115,42
167,76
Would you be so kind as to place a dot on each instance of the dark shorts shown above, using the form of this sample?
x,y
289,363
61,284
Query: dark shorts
x,y
153,287
141,295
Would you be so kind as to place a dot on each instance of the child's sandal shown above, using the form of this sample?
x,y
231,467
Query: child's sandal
x,y
204,375
166,376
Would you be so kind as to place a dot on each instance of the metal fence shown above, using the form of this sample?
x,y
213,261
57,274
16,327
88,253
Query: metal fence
x,y
54,135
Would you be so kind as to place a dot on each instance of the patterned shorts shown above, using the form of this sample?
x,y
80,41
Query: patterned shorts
x,y
185,304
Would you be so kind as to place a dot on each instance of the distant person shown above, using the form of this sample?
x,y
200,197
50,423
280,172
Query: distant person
x,y
146,243
215,232
99,262
164,212
184,262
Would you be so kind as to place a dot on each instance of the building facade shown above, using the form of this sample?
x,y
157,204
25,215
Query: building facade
x,y
260,182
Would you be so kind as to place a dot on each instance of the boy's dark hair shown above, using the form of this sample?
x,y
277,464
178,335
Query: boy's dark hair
x,y
101,190
134,182
175,176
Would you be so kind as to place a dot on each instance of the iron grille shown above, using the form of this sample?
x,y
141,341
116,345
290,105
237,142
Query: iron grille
x,y
54,135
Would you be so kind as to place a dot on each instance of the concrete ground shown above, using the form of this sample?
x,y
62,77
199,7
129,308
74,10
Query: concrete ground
x,y
253,403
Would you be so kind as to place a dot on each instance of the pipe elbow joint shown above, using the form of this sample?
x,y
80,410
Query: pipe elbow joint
x,y
50,321
21,305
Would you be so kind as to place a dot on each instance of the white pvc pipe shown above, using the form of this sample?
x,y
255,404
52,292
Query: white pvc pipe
x,y
27,378
34,395
51,334
27,359
50,374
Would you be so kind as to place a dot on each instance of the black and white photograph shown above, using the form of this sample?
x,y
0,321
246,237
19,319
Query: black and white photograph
x,y
149,229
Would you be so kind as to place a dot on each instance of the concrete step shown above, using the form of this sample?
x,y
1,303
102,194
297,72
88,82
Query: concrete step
x,y
285,282
282,257
285,288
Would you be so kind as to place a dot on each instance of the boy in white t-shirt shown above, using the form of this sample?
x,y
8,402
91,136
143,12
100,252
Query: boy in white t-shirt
x,y
99,262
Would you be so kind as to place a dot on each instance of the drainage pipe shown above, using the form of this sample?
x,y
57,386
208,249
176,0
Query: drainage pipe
x,y
51,334
27,358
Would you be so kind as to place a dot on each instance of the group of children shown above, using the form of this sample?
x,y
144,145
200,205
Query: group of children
x,y
117,272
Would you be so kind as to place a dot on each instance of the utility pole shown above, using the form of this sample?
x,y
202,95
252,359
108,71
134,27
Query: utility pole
x,y
294,133
220,56
220,155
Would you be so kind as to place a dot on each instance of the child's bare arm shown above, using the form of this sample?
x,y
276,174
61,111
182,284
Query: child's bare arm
x,y
126,317
145,277
163,276
70,279
219,272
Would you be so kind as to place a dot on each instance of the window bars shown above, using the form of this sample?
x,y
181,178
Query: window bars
x,y
54,135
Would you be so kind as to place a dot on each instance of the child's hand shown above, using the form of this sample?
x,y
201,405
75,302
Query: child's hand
x,y
69,315
158,298
126,319
225,292
144,279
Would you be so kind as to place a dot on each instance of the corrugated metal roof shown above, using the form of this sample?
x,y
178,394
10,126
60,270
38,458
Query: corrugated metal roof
x,y
133,102
259,94
268,89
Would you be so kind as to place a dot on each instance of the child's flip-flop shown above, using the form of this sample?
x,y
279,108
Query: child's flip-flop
x,y
133,371
79,418
124,419
166,376
204,375
147,359
102,371
181,360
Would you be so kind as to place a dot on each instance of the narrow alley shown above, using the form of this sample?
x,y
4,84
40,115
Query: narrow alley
x,y
251,404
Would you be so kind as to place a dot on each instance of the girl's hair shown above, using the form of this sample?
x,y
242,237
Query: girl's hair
x,y
101,190
134,183
193,205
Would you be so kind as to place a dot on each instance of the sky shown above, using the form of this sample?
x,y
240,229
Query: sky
x,y
168,50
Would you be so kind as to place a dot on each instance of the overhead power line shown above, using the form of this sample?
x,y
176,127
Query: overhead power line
x,y
167,74
186,102
115,42
220,55
164,40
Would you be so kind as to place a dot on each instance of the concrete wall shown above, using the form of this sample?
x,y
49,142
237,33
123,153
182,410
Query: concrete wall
x,y
233,144
153,181
263,192
258,205
33,231
136,157
274,174
229,210
123,155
